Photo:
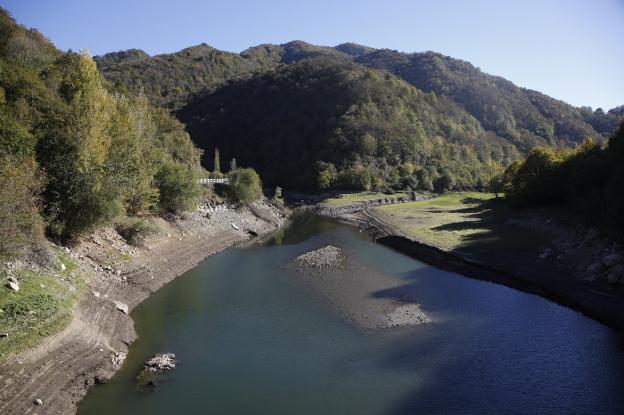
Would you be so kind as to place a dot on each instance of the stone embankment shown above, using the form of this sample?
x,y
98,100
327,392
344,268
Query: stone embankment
x,y
355,207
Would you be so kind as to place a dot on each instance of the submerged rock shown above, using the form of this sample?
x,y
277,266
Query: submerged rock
x,y
164,361
408,315
154,369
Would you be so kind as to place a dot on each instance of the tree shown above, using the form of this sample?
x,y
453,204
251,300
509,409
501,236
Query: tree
x,y
233,165
495,185
20,222
445,182
356,177
245,186
326,175
217,162
178,187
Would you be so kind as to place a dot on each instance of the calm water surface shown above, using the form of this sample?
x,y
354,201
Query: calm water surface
x,y
251,340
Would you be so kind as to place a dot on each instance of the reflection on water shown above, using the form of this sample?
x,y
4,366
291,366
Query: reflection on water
x,y
251,340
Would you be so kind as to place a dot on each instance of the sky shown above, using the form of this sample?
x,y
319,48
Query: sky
x,y
572,50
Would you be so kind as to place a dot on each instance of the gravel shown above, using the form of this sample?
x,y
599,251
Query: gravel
x,y
329,257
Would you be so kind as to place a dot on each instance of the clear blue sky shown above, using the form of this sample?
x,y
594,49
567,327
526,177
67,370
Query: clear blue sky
x,y
570,49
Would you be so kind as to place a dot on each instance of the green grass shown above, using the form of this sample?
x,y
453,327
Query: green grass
x,y
466,221
43,305
349,198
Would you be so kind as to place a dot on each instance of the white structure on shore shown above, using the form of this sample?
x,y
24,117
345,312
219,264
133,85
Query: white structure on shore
x,y
223,180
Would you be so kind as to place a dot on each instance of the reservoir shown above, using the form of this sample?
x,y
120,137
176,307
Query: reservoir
x,y
251,338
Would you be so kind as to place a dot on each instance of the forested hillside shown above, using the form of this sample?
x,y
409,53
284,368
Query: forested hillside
x,y
72,153
322,122
211,89
589,177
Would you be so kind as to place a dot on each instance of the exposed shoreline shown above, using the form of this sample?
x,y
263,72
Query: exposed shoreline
x,y
574,294
64,366
344,283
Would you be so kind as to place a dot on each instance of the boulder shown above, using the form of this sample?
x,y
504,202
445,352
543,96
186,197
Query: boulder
x,y
618,270
163,361
612,260
595,268
4,335
12,285
612,278
121,306
38,402
118,358
591,235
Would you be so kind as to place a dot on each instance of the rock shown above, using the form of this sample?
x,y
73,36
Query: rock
x,y
612,278
546,253
13,285
618,270
595,268
4,335
591,235
121,306
38,402
612,260
118,358
101,378
63,267
96,294
164,361
12,279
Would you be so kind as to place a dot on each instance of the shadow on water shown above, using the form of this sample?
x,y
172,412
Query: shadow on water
x,y
501,351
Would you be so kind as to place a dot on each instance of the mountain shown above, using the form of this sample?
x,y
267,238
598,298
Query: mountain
x,y
525,117
198,82
333,111
172,79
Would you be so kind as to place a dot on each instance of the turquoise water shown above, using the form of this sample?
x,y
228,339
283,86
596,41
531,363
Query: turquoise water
x,y
250,339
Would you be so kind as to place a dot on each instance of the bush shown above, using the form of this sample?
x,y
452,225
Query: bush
x,y
539,180
357,177
245,186
136,232
178,187
445,182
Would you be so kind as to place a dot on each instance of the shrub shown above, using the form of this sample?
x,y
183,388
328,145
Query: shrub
x,y
136,232
445,182
178,187
245,186
357,177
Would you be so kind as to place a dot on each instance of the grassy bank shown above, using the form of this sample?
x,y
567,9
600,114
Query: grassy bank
x,y
469,222
348,198
43,305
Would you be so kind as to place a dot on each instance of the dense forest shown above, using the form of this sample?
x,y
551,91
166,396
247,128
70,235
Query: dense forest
x,y
463,109
589,177
73,153
321,123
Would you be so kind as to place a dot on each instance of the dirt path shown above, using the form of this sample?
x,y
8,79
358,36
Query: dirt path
x,y
60,370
